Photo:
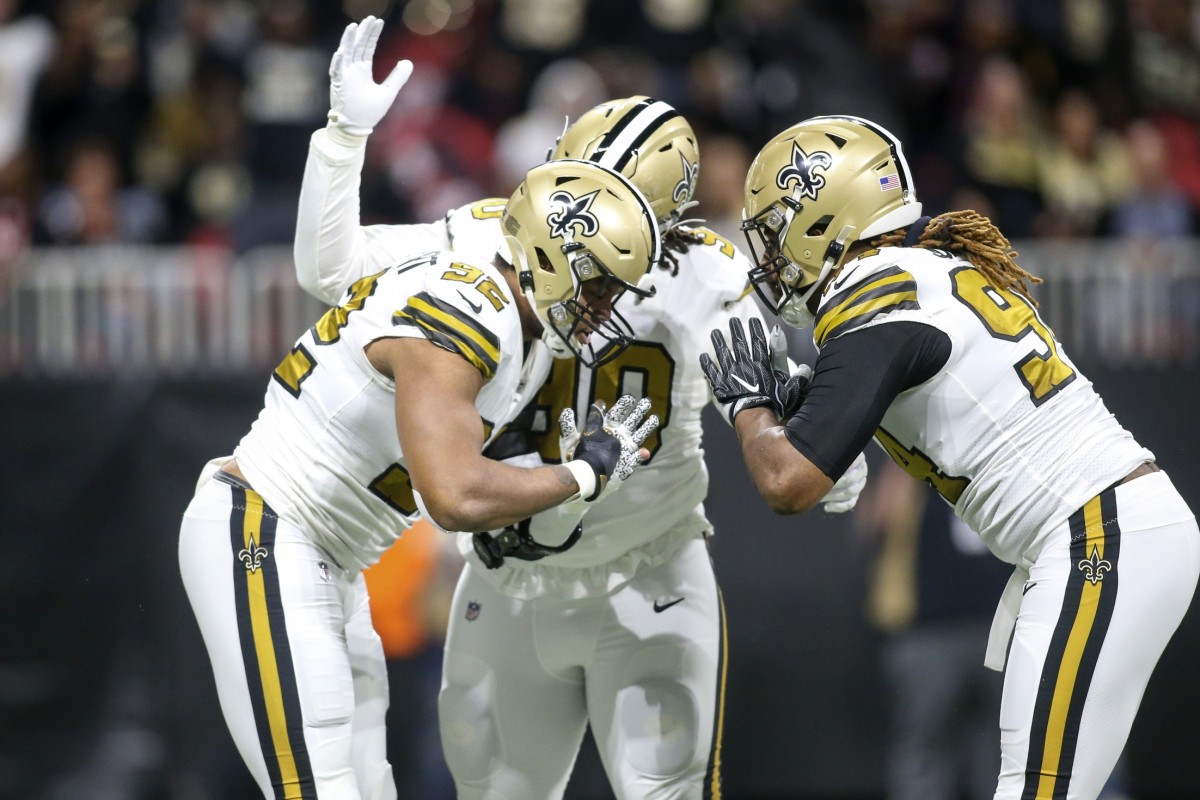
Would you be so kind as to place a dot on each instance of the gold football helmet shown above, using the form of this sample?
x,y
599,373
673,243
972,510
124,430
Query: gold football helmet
x,y
648,142
580,236
813,190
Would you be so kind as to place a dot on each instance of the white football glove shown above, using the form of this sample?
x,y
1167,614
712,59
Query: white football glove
x,y
791,382
608,447
845,492
356,102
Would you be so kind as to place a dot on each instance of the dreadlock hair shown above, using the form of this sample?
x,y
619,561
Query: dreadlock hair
x,y
973,237
677,239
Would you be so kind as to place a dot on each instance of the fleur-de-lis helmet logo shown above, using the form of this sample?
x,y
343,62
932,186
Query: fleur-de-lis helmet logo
x,y
803,170
252,556
1094,566
686,187
570,211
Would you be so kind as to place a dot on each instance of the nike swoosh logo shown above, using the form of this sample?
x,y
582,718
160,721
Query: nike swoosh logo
x,y
658,609
1028,586
476,307
753,387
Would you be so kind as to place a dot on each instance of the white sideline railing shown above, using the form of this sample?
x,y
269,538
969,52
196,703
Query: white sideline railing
x,y
185,311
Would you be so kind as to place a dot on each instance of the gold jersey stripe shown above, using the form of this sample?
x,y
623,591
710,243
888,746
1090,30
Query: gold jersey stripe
x,y
892,290
447,327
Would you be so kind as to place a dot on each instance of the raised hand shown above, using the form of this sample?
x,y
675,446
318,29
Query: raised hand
x,y
356,102
741,377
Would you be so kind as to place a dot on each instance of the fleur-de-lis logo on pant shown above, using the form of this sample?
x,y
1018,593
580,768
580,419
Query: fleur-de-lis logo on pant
x,y
1094,566
252,556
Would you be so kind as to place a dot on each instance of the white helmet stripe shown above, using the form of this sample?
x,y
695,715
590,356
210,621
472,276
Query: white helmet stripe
x,y
631,131
894,143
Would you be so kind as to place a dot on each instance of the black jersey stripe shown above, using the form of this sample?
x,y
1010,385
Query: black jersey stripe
x,y
452,329
1074,648
712,775
274,695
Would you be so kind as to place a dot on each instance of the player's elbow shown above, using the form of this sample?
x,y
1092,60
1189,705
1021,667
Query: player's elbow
x,y
783,498
792,491
456,508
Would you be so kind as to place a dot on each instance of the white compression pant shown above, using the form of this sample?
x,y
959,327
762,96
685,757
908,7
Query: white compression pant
x,y
523,679
1101,603
299,669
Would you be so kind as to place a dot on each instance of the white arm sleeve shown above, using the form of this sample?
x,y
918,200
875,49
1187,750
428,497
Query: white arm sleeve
x,y
331,249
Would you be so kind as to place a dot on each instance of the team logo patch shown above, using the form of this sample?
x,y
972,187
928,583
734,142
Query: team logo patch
x,y
803,170
252,556
323,568
473,611
1094,567
571,211
686,187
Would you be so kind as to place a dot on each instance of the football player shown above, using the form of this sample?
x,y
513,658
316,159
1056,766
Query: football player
x,y
929,341
380,413
561,620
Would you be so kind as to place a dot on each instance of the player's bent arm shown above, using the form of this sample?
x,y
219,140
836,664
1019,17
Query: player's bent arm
x,y
857,376
442,436
786,479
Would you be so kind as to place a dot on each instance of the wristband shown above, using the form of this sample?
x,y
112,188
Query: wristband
x,y
585,476
338,135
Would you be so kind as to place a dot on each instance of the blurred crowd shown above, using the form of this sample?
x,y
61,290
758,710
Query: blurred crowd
x,y
187,121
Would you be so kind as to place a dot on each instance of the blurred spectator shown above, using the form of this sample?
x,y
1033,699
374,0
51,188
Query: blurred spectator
x,y
26,44
1156,208
726,161
1001,137
94,87
1083,172
93,206
564,90
286,96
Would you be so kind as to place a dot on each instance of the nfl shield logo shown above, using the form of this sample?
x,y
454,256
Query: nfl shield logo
x,y
472,611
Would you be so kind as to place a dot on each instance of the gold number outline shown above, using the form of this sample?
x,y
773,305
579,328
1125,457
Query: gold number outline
x,y
649,359
1006,302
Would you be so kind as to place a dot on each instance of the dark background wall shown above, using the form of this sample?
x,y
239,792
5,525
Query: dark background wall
x,y
105,690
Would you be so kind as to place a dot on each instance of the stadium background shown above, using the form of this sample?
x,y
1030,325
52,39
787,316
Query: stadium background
x,y
150,156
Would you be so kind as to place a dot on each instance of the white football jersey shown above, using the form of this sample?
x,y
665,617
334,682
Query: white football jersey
x,y
324,451
1008,431
671,330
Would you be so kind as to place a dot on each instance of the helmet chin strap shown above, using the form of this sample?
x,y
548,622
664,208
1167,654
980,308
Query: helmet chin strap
x,y
794,311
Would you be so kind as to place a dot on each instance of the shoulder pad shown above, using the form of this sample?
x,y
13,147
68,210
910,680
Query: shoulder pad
x,y
476,225
461,308
872,287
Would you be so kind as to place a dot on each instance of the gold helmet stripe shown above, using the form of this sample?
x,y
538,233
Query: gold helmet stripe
x,y
631,131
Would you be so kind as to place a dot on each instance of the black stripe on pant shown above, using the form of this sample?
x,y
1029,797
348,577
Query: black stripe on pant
x,y
265,650
1075,646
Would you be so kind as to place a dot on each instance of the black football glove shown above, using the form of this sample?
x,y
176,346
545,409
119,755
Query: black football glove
x,y
740,378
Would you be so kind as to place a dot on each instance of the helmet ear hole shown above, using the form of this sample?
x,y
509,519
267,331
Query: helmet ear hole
x,y
544,261
819,227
